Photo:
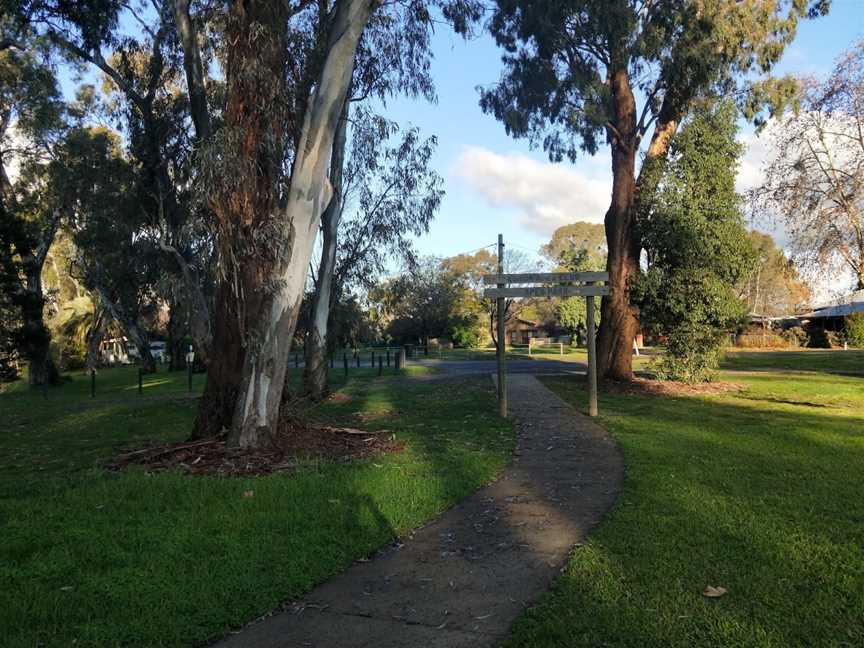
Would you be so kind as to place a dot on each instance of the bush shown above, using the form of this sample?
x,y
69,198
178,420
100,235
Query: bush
x,y
853,330
819,338
464,336
795,336
692,355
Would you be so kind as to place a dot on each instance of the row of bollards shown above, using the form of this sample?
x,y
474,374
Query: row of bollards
x,y
140,381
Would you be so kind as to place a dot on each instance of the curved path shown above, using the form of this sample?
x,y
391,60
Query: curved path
x,y
464,578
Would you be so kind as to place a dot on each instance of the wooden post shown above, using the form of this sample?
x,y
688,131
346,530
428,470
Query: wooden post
x,y
345,362
357,358
592,360
189,372
388,357
502,371
92,383
380,365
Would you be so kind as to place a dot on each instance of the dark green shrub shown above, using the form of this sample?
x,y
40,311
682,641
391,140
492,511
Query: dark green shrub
x,y
853,330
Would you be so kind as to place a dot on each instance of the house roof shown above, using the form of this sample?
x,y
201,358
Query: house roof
x,y
853,303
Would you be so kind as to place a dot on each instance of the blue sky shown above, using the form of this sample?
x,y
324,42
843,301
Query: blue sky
x,y
497,184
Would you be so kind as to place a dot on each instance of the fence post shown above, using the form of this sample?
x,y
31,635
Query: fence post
x,y
372,363
592,359
357,358
388,357
345,362
92,383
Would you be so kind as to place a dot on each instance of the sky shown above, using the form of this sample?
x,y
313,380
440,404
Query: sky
x,y
497,184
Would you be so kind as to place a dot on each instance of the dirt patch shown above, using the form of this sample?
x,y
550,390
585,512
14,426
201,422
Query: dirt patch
x,y
650,387
282,454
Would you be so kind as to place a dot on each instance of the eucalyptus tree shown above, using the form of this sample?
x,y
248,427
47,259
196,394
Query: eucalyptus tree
x,y
287,67
583,72
392,194
31,118
392,57
95,188
815,179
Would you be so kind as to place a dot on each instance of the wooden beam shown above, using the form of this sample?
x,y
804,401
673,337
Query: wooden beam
x,y
547,291
544,277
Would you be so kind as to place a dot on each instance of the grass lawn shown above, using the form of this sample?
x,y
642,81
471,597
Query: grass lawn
x,y
828,361
760,492
93,558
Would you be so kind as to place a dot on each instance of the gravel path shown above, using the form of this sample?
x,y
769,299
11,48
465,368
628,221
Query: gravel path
x,y
464,578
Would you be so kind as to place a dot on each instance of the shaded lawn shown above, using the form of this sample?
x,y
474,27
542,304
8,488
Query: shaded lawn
x,y
106,559
829,361
759,492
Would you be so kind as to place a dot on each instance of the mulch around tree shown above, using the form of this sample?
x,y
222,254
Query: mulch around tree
x,y
641,386
295,443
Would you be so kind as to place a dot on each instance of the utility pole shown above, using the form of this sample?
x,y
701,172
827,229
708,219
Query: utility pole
x,y
502,372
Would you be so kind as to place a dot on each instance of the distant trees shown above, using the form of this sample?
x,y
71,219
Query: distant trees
x,y
583,73
815,181
775,288
698,248
580,235
31,118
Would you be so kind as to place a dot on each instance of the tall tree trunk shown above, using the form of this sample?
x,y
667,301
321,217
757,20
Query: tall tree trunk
x,y
136,334
35,335
315,351
95,336
264,247
619,323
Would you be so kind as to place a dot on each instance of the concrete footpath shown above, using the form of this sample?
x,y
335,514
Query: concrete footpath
x,y
464,578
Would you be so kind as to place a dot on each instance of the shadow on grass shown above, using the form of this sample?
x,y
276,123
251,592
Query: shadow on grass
x,y
758,500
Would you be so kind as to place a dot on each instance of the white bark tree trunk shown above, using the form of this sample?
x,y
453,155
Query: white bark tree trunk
x,y
256,411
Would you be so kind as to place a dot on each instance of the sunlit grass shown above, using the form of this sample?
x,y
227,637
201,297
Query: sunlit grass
x,y
757,491
91,558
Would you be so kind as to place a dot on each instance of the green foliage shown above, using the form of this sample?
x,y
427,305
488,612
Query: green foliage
x,y
559,57
698,248
590,237
466,335
853,330
795,336
571,313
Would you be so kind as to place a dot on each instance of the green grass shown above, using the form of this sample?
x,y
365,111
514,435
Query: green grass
x,y
759,492
100,559
833,361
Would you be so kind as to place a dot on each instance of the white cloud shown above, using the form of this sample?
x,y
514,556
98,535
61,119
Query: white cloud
x,y
545,195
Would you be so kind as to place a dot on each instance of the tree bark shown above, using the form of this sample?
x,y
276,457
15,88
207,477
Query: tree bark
x,y
194,70
264,247
315,352
95,336
619,323
136,334
35,335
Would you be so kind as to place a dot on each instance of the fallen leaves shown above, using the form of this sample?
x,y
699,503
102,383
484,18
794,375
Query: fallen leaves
x,y
713,592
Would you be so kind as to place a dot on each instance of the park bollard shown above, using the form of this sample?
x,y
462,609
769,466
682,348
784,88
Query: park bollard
x,y
189,375
345,362
357,358
92,383
331,361
296,361
388,358
380,365
372,362
140,381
